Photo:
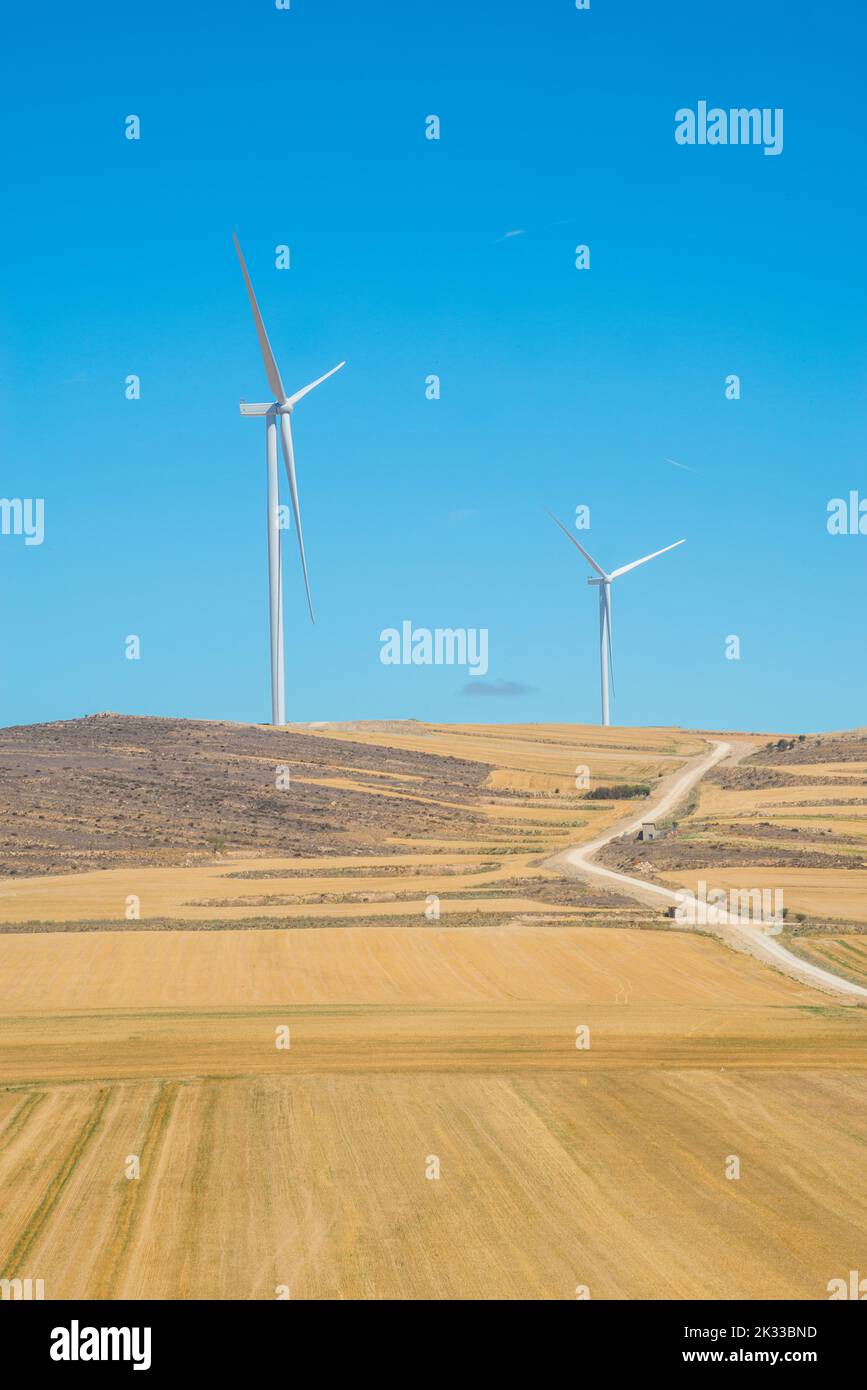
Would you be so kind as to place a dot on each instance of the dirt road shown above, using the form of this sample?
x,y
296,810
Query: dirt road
x,y
752,937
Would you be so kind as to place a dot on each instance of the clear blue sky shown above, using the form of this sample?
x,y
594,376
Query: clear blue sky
x,y
559,387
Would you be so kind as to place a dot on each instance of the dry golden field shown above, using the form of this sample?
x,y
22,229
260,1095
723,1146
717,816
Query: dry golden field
x,y
820,892
416,1043
614,1181
845,955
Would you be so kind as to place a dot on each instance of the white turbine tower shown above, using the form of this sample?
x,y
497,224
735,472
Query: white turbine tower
x,y
279,409
603,583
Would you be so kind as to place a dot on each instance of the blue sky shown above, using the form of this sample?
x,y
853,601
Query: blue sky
x,y
559,387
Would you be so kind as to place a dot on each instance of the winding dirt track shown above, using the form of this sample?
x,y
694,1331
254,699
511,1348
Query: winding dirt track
x,y
742,936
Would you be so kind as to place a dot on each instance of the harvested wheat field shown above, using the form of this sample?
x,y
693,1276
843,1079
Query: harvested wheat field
x,y
318,1183
846,955
280,1076
306,1166
819,892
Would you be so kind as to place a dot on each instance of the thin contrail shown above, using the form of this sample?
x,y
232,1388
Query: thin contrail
x,y
525,231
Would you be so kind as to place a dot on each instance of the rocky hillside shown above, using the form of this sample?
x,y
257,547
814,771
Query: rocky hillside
x,y
109,789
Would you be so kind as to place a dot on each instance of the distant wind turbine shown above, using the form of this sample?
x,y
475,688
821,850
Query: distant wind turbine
x,y
603,583
281,408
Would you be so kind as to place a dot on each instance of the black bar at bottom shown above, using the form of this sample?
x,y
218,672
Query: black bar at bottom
x,y
159,1338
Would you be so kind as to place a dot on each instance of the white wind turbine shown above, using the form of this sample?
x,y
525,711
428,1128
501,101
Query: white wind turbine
x,y
603,583
280,409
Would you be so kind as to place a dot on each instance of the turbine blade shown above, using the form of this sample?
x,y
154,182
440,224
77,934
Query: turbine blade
x,y
289,457
610,640
588,558
624,569
271,369
312,387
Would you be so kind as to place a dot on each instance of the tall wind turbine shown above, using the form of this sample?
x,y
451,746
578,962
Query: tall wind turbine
x,y
603,583
279,409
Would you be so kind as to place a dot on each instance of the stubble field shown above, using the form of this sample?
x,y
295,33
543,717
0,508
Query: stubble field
x,y
414,1046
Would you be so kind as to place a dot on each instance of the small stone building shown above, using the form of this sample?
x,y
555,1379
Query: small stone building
x,y
647,831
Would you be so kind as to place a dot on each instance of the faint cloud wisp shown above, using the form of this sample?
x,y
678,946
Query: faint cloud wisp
x,y
497,688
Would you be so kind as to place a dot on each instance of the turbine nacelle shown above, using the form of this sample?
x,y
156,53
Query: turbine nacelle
x,y
261,408
286,404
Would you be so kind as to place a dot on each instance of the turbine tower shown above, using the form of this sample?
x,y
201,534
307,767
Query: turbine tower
x,y
603,583
280,409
